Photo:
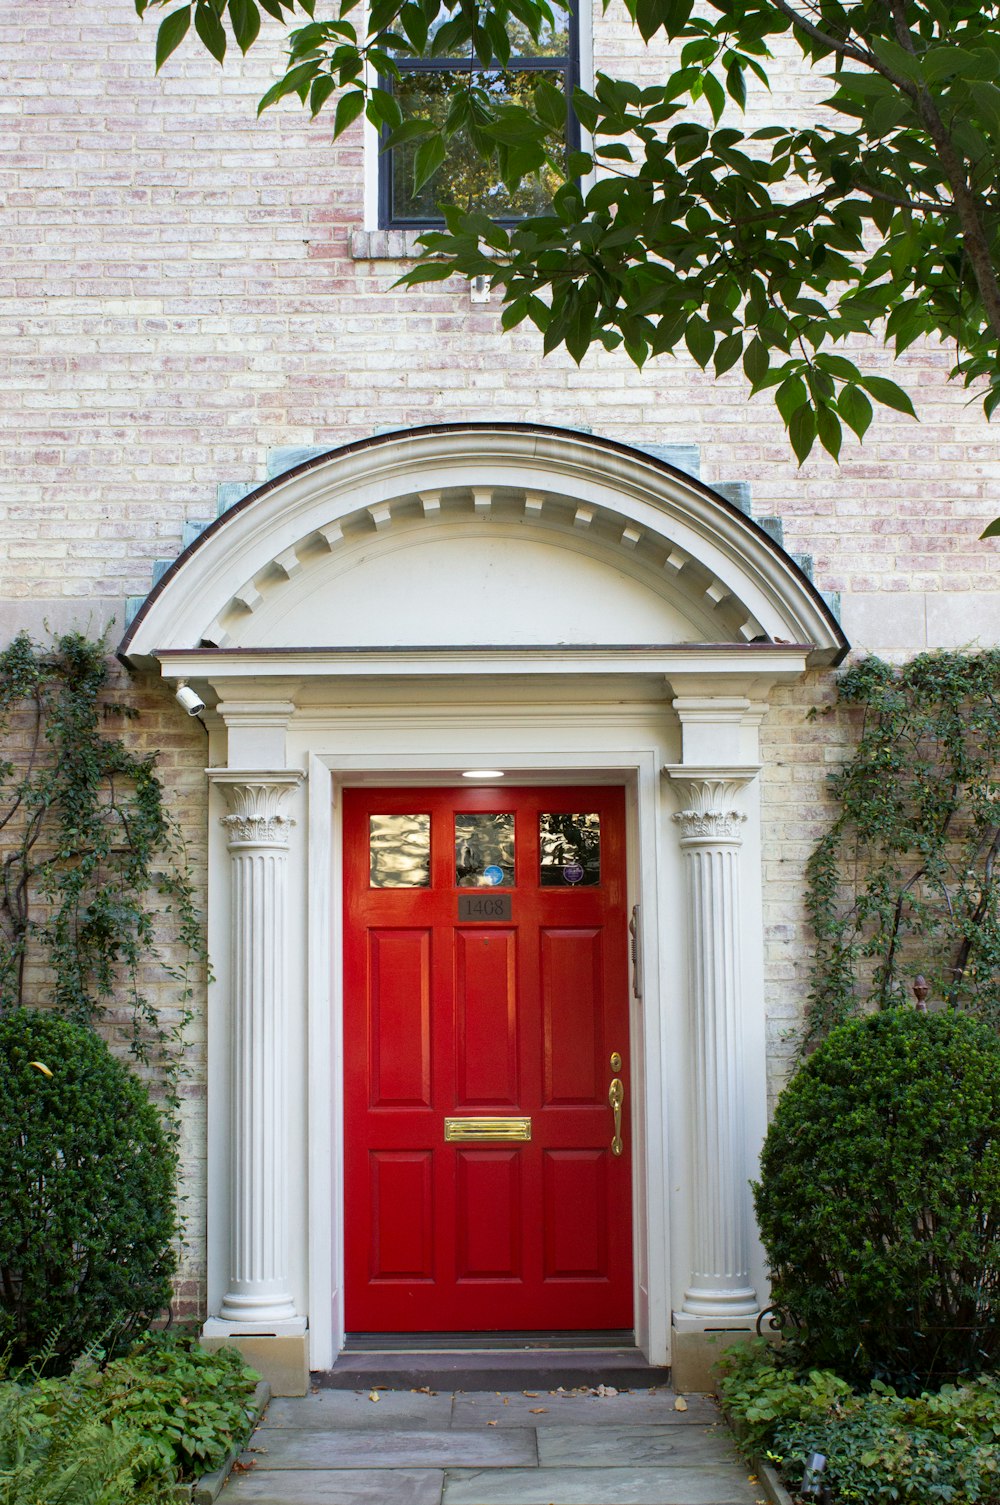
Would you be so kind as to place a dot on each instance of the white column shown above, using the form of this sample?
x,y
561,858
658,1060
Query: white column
x,y
258,1295
710,834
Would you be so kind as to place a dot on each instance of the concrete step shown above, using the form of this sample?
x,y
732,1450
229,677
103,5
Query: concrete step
x,y
537,1368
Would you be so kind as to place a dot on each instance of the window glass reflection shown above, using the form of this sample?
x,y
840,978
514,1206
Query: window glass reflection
x,y
570,850
484,850
399,848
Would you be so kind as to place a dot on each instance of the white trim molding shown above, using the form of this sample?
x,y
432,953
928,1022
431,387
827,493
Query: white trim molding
x,y
624,509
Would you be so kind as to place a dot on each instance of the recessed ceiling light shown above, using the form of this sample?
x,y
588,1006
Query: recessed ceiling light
x,y
483,773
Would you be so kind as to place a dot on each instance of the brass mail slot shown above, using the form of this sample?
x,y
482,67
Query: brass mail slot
x,y
487,1128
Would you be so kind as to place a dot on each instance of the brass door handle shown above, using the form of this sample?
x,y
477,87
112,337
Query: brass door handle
x,y
616,1096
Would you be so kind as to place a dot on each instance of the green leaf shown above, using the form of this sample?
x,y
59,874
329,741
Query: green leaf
x,y
245,18
427,159
700,339
648,17
736,84
756,360
802,431
171,33
855,409
942,62
992,530
888,394
320,92
829,430
414,24
294,80
550,105
728,353
428,271
790,396
387,107
210,30
715,95
349,107
904,64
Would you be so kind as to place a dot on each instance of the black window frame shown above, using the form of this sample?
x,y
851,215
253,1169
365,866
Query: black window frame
x,y
568,65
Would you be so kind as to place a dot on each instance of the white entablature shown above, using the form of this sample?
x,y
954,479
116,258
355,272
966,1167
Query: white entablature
x,y
481,536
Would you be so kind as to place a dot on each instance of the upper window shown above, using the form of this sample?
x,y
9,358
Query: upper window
x,y
424,90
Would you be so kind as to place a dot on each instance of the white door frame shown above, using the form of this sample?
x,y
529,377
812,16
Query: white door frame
x,y
636,769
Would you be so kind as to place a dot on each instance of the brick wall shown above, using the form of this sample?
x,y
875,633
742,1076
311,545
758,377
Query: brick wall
x,y
178,295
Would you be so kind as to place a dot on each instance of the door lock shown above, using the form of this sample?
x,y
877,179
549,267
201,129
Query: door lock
x,y
616,1097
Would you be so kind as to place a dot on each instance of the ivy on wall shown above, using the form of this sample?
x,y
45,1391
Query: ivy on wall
x,y
906,880
93,879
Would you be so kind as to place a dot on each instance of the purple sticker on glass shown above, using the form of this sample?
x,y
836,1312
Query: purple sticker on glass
x,y
572,873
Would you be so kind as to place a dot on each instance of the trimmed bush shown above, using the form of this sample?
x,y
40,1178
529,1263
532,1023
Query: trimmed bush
x,y
879,1199
87,1214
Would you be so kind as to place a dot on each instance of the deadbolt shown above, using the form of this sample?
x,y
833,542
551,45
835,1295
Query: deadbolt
x,y
616,1061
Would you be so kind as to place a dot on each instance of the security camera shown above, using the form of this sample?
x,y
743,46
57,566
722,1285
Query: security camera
x,y
189,699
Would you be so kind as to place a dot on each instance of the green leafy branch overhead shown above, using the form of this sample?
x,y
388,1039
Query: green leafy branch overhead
x,y
677,227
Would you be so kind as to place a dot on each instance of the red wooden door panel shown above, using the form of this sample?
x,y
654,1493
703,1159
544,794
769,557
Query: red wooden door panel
x,y
515,1016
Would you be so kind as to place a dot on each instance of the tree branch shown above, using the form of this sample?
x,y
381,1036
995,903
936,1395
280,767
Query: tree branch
x,y
977,245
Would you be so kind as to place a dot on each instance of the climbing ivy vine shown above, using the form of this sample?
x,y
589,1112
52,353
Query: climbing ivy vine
x,y
94,886
906,880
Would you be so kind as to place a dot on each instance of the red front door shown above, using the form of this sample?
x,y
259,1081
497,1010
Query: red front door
x,y
486,1008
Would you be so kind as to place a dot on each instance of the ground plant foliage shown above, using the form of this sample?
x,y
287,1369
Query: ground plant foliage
x,y
941,1447
88,1221
92,872
879,1200
905,882
126,1431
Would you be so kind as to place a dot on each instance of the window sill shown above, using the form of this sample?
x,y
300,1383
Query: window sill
x,y
386,245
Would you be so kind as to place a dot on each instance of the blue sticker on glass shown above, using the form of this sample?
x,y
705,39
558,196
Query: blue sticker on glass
x,y
572,873
494,874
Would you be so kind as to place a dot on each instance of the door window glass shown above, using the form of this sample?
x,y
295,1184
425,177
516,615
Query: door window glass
x,y
570,850
484,850
399,848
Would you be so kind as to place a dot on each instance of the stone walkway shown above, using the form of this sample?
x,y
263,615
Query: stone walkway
x,y
340,1447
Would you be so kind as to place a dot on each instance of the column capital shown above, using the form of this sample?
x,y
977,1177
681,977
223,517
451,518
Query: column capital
x,y
255,799
708,798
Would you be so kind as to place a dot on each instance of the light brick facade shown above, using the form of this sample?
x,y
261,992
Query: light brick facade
x,y
178,296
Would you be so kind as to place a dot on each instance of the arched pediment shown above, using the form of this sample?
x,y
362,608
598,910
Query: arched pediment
x,y
481,534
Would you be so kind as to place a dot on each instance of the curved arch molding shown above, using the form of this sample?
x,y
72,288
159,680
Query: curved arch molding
x,y
515,541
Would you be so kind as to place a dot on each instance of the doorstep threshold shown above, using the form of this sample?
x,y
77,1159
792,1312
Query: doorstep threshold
x,y
486,1342
542,1368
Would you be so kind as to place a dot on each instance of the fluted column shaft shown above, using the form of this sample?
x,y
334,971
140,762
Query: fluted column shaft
x,y
710,827
258,1289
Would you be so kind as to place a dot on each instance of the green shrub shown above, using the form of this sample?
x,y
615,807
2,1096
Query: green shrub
x,y
930,1449
87,1213
56,1450
189,1406
879,1199
124,1432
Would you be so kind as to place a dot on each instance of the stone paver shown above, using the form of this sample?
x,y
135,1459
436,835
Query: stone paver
x,y
599,1486
361,1486
343,1448
643,1446
526,1448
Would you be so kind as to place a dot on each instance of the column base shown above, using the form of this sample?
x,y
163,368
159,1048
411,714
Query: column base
x,y
706,1304
279,1353
697,1345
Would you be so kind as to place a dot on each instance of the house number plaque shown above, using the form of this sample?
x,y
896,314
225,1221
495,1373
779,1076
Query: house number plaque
x,y
484,906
